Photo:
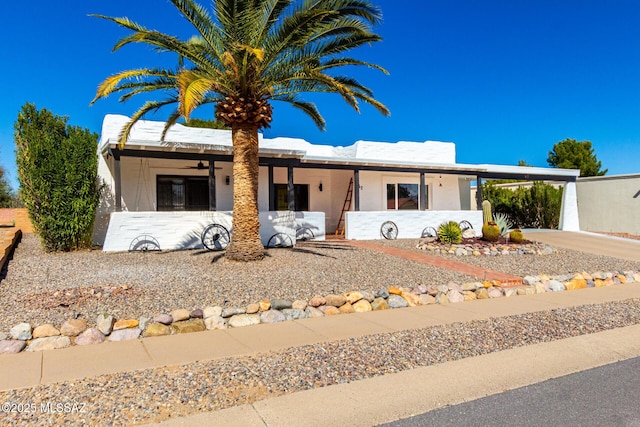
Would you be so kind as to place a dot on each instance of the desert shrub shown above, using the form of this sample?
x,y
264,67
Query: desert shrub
x,y
450,232
535,207
57,170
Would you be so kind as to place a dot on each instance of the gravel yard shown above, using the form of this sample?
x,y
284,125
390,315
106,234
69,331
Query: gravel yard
x,y
564,261
39,287
54,287
154,395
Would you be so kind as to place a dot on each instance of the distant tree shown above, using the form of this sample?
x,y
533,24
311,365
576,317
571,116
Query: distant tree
x,y
209,124
57,169
524,163
572,154
6,196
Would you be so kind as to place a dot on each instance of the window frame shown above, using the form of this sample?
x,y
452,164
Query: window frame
x,y
185,204
396,182
297,192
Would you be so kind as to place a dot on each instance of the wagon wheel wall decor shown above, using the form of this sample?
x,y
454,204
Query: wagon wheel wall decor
x,y
304,233
429,232
389,230
280,240
144,243
465,225
215,237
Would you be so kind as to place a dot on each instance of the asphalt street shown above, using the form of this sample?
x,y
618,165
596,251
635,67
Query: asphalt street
x,y
605,396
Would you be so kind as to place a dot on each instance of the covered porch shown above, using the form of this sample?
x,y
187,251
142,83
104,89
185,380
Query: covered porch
x,y
161,189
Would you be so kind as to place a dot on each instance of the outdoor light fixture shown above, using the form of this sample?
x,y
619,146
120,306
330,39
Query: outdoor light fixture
x,y
227,180
320,186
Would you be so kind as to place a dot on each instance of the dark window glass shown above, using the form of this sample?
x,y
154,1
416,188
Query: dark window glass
x,y
198,194
300,197
408,196
391,196
405,196
170,194
179,193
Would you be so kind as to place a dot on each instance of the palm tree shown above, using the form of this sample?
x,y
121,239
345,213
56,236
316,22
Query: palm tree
x,y
246,54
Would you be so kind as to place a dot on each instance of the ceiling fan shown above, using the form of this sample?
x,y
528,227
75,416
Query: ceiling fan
x,y
200,166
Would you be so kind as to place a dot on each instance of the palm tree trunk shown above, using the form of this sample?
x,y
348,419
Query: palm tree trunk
x,y
245,238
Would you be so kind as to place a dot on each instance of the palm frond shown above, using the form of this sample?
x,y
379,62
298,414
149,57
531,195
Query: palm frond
x,y
172,120
192,88
138,115
253,49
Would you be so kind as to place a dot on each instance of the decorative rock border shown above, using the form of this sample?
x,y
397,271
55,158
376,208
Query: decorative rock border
x,y
107,328
477,248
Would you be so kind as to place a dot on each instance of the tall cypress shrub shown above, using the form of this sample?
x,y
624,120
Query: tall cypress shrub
x,y
57,170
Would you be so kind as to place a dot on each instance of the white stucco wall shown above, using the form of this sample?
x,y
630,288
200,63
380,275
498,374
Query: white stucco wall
x,y
610,203
407,151
569,218
373,192
182,230
366,225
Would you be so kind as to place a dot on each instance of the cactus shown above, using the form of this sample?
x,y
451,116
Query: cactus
x,y
516,236
486,212
490,231
450,232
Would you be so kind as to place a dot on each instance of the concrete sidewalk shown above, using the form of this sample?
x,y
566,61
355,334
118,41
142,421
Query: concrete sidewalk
x,y
31,369
598,244
392,397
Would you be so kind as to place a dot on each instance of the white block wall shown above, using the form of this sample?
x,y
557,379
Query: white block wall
x,y
366,225
182,230
314,221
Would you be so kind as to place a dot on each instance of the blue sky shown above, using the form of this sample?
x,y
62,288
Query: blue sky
x,y
504,80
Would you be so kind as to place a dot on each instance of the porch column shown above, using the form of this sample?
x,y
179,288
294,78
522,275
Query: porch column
x,y
423,193
272,192
479,193
569,219
356,190
117,180
212,185
290,192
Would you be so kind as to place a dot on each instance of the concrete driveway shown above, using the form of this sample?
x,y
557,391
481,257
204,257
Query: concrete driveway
x,y
588,242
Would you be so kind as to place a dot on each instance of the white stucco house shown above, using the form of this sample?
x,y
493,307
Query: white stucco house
x,y
168,192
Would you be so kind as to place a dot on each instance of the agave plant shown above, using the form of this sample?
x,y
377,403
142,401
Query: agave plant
x,y
450,232
503,222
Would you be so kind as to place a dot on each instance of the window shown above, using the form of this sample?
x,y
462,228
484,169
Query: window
x,y
300,197
183,193
405,196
